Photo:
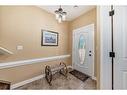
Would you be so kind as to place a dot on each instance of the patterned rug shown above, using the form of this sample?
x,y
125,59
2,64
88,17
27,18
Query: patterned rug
x,y
83,77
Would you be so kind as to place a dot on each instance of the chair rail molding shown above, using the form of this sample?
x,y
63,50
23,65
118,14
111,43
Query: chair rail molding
x,y
32,61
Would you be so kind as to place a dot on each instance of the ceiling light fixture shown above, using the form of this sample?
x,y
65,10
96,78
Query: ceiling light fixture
x,y
60,15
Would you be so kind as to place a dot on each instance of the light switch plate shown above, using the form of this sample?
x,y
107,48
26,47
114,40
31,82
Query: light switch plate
x,y
19,47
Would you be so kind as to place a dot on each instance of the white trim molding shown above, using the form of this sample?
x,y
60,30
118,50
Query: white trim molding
x,y
70,66
5,51
16,85
32,61
105,48
94,78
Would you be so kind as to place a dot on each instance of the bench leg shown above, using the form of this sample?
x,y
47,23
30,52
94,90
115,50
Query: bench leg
x,y
48,75
64,70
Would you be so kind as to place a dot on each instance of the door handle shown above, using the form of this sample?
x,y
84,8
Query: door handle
x,y
90,51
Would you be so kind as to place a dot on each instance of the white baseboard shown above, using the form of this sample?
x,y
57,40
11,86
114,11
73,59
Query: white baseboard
x,y
27,81
94,78
16,85
70,67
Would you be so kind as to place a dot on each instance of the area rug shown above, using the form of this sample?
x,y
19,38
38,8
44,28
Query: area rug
x,y
83,77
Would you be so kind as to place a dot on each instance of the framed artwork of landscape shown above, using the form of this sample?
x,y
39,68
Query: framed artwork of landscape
x,y
49,38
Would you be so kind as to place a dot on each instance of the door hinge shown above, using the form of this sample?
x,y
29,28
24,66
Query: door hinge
x,y
111,54
111,13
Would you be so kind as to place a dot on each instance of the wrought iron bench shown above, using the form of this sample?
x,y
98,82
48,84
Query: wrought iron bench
x,y
62,69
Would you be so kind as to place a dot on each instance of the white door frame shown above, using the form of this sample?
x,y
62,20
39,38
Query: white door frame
x,y
93,54
105,47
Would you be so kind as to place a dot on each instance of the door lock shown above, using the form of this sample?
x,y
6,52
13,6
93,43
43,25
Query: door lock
x,y
89,54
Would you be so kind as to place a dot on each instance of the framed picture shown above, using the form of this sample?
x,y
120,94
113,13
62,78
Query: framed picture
x,y
49,38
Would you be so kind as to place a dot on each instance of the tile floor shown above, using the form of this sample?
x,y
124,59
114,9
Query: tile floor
x,y
60,82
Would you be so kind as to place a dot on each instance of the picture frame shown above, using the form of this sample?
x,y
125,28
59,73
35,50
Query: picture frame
x,y
49,38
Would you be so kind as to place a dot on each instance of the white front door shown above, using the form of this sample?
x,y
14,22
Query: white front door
x,y
83,50
120,47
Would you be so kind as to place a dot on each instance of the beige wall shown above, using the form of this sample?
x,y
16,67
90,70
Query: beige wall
x,y
21,25
83,20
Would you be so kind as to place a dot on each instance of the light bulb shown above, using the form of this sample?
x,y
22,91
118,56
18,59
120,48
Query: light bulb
x,y
57,16
59,20
63,17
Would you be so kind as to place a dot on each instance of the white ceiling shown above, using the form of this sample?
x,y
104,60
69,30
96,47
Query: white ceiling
x,y
72,12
